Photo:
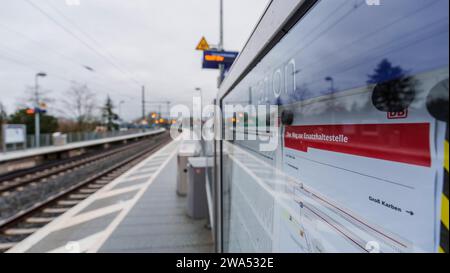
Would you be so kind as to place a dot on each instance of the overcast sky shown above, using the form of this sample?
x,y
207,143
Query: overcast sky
x,y
128,43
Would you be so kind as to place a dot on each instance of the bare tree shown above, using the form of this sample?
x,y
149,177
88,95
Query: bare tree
x,y
79,104
3,119
3,114
29,98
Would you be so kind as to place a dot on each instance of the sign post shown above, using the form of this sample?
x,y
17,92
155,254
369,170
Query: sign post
x,y
14,134
213,59
216,57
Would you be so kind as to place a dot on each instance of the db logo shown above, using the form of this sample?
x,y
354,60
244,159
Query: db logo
x,y
398,115
373,247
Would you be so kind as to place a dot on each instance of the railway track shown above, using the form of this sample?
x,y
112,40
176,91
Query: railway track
x,y
11,181
19,226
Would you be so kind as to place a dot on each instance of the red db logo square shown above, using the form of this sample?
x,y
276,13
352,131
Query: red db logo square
x,y
398,115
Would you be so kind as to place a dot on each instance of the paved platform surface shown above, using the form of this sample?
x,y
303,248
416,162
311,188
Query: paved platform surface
x,y
138,212
14,155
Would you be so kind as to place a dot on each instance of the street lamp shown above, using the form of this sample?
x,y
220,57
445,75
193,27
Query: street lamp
x,y
198,89
120,108
221,66
331,80
37,128
200,121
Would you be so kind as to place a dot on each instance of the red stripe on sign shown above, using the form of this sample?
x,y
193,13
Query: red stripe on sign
x,y
406,142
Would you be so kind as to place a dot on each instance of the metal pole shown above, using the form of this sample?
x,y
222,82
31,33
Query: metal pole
x,y
143,103
168,109
120,110
221,66
221,26
218,183
3,138
37,129
201,120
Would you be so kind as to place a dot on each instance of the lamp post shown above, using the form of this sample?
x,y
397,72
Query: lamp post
x,y
221,25
221,66
331,81
37,127
202,144
120,108
201,94
198,89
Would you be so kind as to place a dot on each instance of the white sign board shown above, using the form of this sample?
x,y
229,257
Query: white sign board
x,y
14,134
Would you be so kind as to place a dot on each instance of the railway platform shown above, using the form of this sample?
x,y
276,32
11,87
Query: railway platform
x,y
137,212
22,159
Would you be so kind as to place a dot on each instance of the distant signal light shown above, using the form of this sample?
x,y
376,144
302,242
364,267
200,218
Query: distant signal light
x,y
214,58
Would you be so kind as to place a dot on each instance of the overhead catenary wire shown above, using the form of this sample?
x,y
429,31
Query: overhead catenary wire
x,y
5,55
14,52
32,68
74,34
104,89
53,51
22,59
76,37
42,45
89,37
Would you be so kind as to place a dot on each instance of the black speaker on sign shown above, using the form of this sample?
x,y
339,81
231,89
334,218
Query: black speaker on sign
x,y
287,117
394,91
394,95
437,101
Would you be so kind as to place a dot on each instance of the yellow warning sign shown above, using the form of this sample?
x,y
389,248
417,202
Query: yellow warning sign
x,y
202,45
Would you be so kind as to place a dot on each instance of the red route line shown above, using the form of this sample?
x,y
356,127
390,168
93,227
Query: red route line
x,y
360,221
336,228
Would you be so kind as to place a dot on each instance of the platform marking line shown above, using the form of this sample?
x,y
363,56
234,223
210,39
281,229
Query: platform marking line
x,y
110,193
78,246
147,170
129,178
61,220
109,187
149,166
92,215
123,186
115,223
134,179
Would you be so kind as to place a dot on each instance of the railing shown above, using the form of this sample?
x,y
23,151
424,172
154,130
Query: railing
x,y
47,139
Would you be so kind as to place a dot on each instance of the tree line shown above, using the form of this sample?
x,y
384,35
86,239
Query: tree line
x,y
80,112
